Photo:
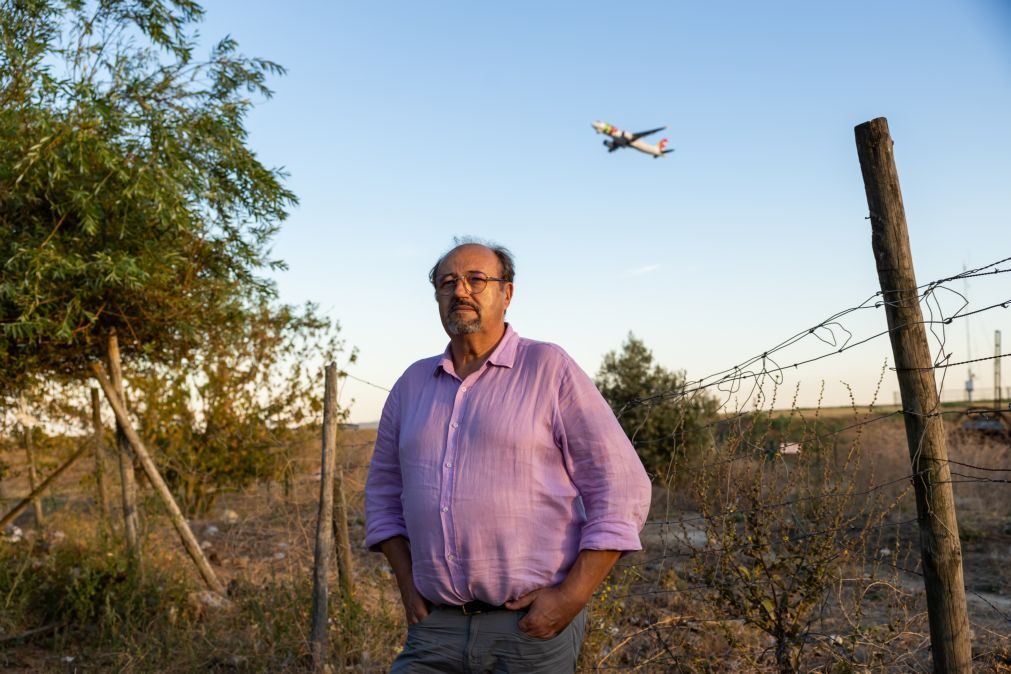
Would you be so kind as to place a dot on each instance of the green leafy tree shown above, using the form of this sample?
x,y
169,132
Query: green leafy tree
x,y
129,199
663,422
231,413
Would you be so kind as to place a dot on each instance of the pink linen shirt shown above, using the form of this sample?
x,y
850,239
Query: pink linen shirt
x,y
499,480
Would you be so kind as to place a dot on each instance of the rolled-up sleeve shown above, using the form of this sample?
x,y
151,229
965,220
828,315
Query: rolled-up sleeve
x,y
384,515
602,463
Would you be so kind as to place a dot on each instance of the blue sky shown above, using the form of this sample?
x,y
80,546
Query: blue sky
x,y
403,124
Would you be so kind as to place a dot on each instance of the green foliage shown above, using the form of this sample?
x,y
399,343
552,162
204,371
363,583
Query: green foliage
x,y
128,196
662,422
80,587
229,414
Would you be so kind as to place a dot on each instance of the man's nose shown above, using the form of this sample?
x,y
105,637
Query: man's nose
x,y
461,288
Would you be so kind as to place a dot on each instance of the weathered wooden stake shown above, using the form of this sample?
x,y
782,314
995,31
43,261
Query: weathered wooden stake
x,y
340,522
935,503
26,501
98,445
33,478
324,524
176,515
127,479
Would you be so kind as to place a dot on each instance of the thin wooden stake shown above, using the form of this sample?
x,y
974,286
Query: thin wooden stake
x,y
935,503
26,501
127,479
33,478
98,445
324,524
182,528
345,568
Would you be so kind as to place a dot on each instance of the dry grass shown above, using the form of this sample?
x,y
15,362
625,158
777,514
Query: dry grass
x,y
648,617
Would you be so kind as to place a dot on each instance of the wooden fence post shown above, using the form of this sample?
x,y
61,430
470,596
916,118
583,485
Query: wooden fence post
x,y
935,505
340,523
127,479
33,477
24,503
151,470
324,524
98,445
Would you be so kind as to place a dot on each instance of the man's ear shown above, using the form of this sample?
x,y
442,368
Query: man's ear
x,y
508,294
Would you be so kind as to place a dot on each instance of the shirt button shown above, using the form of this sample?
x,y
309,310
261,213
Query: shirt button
x,y
449,464
445,509
463,389
455,424
450,557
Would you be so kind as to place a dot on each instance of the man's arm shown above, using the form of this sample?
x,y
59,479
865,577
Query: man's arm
x,y
615,491
385,529
398,554
553,608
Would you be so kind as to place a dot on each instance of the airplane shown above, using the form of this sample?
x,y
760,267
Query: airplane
x,y
620,139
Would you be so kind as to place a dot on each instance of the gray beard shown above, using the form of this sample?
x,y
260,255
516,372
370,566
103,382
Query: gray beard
x,y
463,327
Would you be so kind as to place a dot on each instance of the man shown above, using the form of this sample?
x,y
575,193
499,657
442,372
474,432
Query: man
x,y
502,489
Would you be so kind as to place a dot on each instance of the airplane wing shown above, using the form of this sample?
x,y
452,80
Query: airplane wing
x,y
640,134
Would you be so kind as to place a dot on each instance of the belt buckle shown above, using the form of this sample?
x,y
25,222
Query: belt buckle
x,y
472,608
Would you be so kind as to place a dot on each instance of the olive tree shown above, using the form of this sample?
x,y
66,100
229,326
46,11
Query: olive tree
x,y
129,198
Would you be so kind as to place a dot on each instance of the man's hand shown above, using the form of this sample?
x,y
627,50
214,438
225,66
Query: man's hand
x,y
415,607
551,611
553,608
398,553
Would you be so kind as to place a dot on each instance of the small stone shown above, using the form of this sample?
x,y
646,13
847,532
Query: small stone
x,y
230,516
13,534
209,599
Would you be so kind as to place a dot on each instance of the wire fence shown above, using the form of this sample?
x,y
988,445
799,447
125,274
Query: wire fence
x,y
730,531
865,530
830,507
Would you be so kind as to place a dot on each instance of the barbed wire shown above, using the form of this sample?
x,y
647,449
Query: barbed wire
x,y
753,451
974,467
972,592
363,381
695,550
768,367
947,365
736,374
970,273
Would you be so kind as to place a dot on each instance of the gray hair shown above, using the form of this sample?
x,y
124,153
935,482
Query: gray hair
x,y
504,255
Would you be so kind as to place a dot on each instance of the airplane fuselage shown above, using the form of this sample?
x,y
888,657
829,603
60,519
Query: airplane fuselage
x,y
620,139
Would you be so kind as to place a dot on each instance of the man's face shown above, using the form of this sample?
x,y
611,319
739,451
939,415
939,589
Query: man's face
x,y
463,312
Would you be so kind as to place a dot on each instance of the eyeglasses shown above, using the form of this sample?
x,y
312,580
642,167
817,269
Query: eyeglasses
x,y
474,282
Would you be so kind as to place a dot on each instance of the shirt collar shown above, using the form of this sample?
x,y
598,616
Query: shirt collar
x,y
504,354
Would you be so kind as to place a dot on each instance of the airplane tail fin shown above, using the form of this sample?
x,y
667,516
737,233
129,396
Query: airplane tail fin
x,y
662,145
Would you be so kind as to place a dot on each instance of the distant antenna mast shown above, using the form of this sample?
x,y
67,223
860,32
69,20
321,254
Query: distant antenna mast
x,y
968,345
996,367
